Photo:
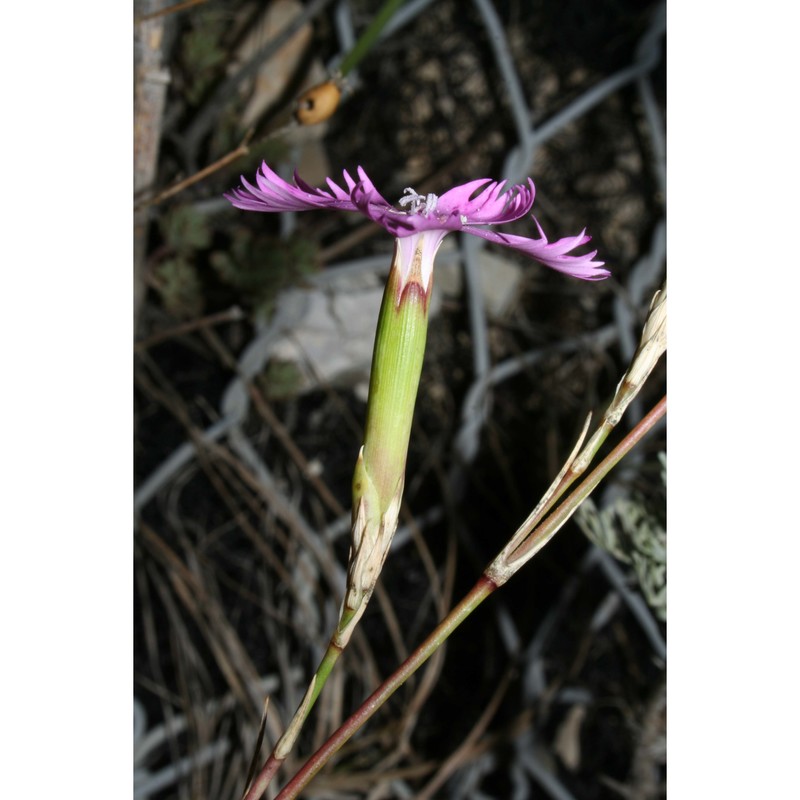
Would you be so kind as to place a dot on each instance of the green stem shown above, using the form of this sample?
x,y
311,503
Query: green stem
x,y
367,39
380,471
651,347
265,775
394,381
541,535
482,589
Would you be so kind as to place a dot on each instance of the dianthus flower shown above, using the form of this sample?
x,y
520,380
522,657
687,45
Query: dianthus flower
x,y
423,221
419,225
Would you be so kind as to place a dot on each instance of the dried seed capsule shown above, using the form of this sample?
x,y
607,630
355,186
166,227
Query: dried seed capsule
x,y
318,103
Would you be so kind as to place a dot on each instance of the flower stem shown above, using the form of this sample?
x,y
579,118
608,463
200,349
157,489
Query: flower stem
x,y
379,474
484,587
542,534
285,743
367,39
523,545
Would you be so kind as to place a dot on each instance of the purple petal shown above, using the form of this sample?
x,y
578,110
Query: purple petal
x,y
274,194
457,200
551,254
492,205
369,188
462,208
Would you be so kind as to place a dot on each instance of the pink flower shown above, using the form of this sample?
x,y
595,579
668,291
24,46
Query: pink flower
x,y
424,220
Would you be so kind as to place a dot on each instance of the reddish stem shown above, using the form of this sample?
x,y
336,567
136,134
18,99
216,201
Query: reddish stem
x,y
482,589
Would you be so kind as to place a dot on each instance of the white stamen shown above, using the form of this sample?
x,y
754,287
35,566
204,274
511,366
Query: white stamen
x,y
463,218
419,204
431,201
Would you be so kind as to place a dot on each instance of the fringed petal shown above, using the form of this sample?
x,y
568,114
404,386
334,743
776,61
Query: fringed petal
x,y
551,254
462,208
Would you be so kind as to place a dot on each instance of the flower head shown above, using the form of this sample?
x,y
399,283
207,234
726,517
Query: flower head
x,y
429,218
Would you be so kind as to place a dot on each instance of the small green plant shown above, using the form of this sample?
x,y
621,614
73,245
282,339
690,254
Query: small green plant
x,y
177,279
260,267
185,230
633,535
280,379
179,285
202,54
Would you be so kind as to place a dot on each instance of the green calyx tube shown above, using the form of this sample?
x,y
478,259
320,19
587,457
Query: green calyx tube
x,y
380,470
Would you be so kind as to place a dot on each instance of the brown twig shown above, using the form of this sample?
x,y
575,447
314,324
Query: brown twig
x,y
461,754
242,150
150,92
233,314
227,90
229,653
163,12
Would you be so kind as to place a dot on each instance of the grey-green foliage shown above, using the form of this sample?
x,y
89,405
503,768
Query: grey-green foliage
x,y
177,279
179,285
280,380
260,267
257,268
185,230
202,55
632,533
